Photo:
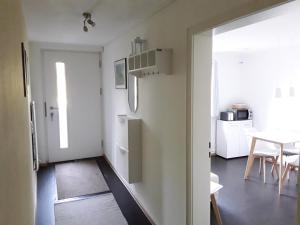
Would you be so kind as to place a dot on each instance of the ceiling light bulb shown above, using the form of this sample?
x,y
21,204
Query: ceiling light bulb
x,y
91,22
86,15
278,93
292,91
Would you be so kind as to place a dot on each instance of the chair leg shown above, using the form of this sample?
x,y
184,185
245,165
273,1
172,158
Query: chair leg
x,y
259,171
216,209
264,168
297,179
272,169
274,161
286,172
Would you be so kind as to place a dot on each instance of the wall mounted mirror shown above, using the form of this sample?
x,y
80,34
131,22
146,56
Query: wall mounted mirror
x,y
132,92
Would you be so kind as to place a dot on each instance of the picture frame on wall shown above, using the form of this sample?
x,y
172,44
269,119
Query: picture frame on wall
x,y
24,68
120,67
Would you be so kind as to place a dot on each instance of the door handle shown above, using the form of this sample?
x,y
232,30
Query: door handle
x,y
51,116
52,108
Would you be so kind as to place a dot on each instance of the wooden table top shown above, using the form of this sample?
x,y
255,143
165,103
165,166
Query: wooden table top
x,y
277,137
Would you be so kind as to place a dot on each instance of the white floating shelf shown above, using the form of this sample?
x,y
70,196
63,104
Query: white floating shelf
x,y
155,61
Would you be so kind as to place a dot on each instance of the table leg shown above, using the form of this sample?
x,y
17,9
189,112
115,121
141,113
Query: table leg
x,y
250,158
280,168
216,209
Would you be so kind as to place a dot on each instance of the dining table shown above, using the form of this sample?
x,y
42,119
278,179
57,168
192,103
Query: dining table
x,y
279,138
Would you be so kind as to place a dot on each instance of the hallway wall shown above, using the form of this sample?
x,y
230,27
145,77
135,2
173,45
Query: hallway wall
x,y
162,101
18,181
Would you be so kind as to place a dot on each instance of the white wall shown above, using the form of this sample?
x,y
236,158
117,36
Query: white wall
x,y
18,180
162,102
252,77
36,65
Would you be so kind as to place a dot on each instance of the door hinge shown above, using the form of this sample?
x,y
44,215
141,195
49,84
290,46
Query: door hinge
x,y
102,143
101,92
209,145
100,62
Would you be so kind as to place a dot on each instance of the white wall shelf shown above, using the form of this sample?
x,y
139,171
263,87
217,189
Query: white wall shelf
x,y
128,149
155,61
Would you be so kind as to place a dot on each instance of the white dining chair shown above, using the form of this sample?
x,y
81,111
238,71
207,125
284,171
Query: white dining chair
x,y
263,152
291,149
292,163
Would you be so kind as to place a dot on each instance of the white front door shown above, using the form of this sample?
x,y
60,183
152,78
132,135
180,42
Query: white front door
x,y
72,109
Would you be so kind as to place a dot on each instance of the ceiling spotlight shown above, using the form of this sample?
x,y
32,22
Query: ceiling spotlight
x,y
91,22
87,18
85,29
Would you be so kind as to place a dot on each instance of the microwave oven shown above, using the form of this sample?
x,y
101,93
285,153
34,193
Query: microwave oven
x,y
236,114
227,116
242,114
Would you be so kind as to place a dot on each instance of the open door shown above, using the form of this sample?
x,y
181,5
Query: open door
x,y
200,125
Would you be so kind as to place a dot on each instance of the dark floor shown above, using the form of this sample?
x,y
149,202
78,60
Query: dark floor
x,y
241,202
47,195
252,202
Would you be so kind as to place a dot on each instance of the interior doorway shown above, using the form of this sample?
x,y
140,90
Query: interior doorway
x,y
205,113
72,104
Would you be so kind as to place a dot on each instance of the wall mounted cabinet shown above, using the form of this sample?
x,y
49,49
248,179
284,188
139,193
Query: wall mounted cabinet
x,y
155,61
128,150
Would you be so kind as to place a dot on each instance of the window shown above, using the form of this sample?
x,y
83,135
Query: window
x,y
62,104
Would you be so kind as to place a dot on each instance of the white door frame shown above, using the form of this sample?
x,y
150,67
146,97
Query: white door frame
x,y
206,26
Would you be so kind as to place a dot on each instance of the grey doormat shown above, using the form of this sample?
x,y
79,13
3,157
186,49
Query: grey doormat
x,y
100,210
78,178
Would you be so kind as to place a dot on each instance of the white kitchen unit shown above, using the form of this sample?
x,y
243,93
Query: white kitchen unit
x,y
231,138
129,148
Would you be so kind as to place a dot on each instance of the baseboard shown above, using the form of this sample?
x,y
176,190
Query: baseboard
x,y
43,164
240,157
129,190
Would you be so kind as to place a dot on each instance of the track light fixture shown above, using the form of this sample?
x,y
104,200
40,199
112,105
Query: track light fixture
x,y
87,19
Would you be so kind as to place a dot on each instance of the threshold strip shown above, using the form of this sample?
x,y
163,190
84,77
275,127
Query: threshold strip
x,y
81,197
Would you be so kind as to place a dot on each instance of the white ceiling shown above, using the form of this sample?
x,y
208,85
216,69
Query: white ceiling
x,y
61,21
272,31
